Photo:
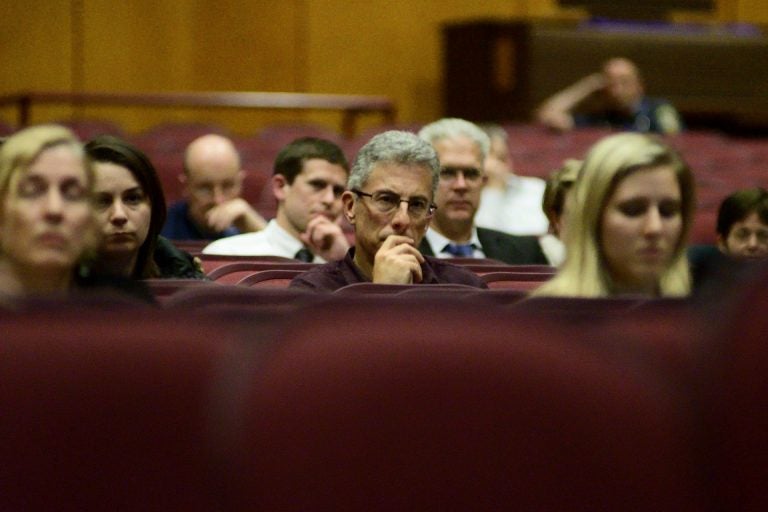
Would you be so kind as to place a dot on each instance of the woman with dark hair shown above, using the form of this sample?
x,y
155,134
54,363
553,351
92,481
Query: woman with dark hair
x,y
130,209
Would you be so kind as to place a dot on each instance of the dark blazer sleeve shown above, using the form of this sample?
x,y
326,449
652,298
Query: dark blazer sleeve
x,y
511,249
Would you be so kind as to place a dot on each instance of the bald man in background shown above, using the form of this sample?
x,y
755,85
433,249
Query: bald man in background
x,y
212,207
619,103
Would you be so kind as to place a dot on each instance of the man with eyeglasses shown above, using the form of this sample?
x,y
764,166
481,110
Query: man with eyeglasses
x,y
462,147
389,202
212,207
308,181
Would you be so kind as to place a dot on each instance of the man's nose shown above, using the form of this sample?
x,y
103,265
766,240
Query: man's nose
x,y
219,196
401,219
460,181
327,196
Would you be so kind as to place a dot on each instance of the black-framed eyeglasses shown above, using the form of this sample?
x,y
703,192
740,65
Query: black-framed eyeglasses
x,y
450,173
387,202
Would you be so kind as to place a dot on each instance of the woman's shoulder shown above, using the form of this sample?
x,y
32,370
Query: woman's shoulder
x,y
173,262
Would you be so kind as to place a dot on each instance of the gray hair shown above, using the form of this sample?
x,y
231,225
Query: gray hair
x,y
451,127
394,147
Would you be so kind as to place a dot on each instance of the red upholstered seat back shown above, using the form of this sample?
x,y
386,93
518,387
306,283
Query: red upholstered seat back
x,y
108,410
440,405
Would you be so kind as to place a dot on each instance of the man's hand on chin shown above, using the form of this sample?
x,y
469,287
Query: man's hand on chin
x,y
325,238
397,262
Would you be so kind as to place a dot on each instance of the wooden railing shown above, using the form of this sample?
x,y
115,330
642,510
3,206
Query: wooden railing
x,y
350,106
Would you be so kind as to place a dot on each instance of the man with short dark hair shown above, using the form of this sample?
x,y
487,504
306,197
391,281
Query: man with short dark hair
x,y
742,224
308,181
212,207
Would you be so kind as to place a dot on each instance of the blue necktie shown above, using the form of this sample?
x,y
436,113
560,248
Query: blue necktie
x,y
460,250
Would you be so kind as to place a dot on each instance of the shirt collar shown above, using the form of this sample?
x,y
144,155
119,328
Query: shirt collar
x,y
438,241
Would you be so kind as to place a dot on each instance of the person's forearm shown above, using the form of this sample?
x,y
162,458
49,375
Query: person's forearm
x,y
250,221
556,111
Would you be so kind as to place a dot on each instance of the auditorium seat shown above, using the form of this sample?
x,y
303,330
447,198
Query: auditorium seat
x,y
375,405
161,288
704,227
109,409
484,268
6,129
274,278
212,261
193,247
255,185
207,297
170,169
578,308
275,136
352,146
734,395
515,280
232,273
265,202
173,137
87,129
379,289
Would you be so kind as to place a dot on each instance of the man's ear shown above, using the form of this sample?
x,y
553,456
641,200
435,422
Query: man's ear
x,y
278,187
348,206
721,244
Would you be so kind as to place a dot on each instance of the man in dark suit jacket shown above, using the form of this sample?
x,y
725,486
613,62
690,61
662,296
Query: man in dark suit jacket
x,y
512,249
461,147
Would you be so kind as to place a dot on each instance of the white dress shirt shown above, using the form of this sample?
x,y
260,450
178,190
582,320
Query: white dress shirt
x,y
516,209
273,240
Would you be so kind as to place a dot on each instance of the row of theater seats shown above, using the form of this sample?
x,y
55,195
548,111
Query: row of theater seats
x,y
721,164
386,403
275,272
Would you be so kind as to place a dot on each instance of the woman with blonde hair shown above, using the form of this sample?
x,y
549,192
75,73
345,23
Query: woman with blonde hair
x,y
632,208
46,214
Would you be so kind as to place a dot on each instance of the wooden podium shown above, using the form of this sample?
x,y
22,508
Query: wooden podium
x,y
501,70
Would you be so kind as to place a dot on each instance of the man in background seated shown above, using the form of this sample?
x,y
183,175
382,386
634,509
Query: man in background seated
x,y
742,238
461,148
212,207
308,180
742,224
508,202
619,102
389,202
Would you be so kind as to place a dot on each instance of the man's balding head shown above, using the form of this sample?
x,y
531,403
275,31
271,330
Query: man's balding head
x,y
210,149
623,84
212,175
